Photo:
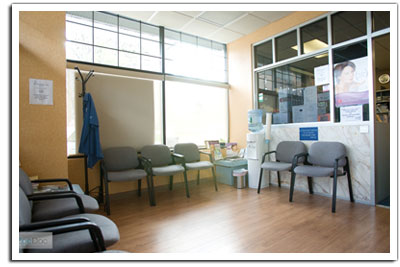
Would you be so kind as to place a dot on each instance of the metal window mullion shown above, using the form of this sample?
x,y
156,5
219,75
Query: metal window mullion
x,y
273,50
164,126
140,44
118,40
162,49
298,42
93,37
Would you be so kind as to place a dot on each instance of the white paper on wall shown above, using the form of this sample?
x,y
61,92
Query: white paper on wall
x,y
40,92
321,75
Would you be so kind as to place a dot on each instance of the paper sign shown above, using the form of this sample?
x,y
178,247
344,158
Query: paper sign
x,y
321,75
351,113
40,92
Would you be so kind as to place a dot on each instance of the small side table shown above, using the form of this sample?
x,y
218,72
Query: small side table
x,y
224,169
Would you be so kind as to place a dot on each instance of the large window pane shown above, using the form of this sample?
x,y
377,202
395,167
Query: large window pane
x,y
263,54
189,108
79,52
106,21
105,38
105,56
79,33
151,64
129,43
351,83
314,36
286,46
150,32
129,60
348,25
81,17
380,20
129,27
297,92
150,48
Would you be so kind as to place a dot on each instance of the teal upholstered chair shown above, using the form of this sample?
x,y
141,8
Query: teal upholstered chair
x,y
53,205
72,234
191,154
121,164
285,153
325,159
159,161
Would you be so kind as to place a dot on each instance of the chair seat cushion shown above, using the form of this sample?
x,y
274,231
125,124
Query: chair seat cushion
x,y
80,241
313,171
168,170
127,175
200,165
276,166
58,208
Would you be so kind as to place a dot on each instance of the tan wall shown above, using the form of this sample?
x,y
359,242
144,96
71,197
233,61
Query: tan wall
x,y
240,71
42,129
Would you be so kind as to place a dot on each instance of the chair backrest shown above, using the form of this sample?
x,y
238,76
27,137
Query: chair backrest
x,y
25,210
189,150
160,155
120,158
286,150
324,154
25,182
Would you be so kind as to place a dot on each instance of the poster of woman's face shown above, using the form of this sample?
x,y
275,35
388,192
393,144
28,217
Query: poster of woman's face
x,y
351,87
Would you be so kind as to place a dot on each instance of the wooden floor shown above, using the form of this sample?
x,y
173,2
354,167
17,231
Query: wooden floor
x,y
242,221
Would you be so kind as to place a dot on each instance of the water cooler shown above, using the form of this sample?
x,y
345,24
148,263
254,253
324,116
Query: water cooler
x,y
257,145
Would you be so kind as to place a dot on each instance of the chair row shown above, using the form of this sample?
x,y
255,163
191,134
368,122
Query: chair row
x,y
125,164
67,215
323,159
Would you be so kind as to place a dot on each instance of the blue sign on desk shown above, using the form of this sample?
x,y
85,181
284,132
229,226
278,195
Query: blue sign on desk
x,y
309,134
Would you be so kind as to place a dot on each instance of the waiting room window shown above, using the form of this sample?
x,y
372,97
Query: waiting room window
x,y
380,20
263,54
195,57
351,83
107,39
314,36
296,92
348,25
195,113
286,46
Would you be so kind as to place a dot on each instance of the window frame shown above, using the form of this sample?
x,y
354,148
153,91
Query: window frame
x,y
329,49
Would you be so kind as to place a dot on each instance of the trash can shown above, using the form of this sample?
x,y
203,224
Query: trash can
x,y
240,178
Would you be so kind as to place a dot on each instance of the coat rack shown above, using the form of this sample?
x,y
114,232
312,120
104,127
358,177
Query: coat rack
x,y
82,94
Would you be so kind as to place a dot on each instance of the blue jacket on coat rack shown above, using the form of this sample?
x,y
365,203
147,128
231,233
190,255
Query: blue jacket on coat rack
x,y
90,138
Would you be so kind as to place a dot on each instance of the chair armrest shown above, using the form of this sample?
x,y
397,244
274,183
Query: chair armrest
x,y
180,157
146,164
265,154
61,226
337,161
50,223
55,180
60,195
296,158
207,153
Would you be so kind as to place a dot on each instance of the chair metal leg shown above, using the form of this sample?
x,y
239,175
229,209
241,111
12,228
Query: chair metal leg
x,y
292,181
347,169
150,191
171,181
107,204
139,187
259,180
100,197
310,184
215,179
334,190
186,184
198,177
279,178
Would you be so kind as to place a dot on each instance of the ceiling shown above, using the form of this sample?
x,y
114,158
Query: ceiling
x,y
220,26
